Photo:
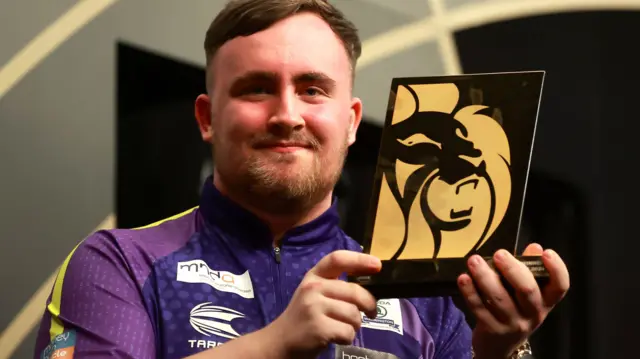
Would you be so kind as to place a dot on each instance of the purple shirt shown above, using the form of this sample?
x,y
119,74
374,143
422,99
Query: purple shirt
x,y
211,274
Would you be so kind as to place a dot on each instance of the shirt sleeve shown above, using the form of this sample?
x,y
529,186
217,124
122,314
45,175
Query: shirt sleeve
x,y
96,309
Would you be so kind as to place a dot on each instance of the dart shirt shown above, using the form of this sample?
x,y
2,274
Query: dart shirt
x,y
202,278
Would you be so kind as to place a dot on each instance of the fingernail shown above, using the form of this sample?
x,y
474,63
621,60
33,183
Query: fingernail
x,y
474,261
464,280
374,262
549,253
501,255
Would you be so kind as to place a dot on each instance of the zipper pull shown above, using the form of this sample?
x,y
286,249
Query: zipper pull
x,y
276,250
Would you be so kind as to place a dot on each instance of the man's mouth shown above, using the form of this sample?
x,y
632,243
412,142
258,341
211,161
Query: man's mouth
x,y
456,214
283,146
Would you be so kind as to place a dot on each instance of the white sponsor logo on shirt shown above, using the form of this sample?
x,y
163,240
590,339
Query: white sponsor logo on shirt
x,y
389,317
210,320
203,344
197,271
352,352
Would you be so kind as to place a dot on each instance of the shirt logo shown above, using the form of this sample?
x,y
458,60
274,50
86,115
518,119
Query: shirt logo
x,y
351,352
197,271
210,320
61,346
389,317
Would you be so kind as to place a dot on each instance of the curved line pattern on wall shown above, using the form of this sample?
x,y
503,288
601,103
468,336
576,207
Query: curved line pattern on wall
x,y
396,40
374,50
445,38
487,12
472,15
48,40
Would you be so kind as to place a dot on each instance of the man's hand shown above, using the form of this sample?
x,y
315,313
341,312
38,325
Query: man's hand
x,y
502,322
325,309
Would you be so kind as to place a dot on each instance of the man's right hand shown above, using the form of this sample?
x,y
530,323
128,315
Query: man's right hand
x,y
325,309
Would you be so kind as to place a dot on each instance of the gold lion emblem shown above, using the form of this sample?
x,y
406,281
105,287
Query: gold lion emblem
x,y
446,181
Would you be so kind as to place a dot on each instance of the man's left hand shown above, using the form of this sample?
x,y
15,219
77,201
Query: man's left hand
x,y
504,323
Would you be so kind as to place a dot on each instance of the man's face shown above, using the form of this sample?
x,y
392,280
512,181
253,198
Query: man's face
x,y
281,112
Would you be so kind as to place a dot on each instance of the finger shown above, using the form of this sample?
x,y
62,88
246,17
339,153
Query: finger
x,y
344,261
523,282
559,282
533,249
351,293
344,312
336,331
491,289
475,303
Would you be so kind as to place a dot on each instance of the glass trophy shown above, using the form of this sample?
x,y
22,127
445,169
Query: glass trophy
x,y
450,180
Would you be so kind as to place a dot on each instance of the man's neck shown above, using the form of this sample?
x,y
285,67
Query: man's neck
x,y
277,223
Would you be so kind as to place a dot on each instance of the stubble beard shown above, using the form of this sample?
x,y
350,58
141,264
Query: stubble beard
x,y
274,183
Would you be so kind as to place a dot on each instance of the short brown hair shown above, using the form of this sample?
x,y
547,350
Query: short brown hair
x,y
247,17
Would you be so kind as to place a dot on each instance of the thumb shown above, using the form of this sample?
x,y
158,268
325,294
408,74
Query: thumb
x,y
533,249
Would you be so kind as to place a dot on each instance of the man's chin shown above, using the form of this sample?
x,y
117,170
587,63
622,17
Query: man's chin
x,y
283,178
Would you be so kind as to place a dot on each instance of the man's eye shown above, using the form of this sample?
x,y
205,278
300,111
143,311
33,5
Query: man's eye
x,y
257,90
312,91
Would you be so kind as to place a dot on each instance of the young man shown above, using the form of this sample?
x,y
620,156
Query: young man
x,y
257,269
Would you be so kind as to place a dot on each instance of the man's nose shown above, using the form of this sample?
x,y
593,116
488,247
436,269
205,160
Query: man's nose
x,y
286,117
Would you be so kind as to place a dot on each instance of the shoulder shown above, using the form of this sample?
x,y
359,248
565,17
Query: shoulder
x,y
106,273
133,251
164,236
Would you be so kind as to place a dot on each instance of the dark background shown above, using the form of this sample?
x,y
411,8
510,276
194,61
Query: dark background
x,y
584,202
581,198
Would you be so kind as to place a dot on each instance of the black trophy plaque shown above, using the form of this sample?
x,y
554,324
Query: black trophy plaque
x,y
450,180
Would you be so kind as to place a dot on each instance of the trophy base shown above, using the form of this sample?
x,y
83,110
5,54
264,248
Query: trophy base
x,y
411,278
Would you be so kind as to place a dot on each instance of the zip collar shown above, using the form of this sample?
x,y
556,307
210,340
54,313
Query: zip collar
x,y
222,213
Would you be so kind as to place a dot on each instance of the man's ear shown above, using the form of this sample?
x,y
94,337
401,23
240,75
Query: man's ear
x,y
203,116
354,119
